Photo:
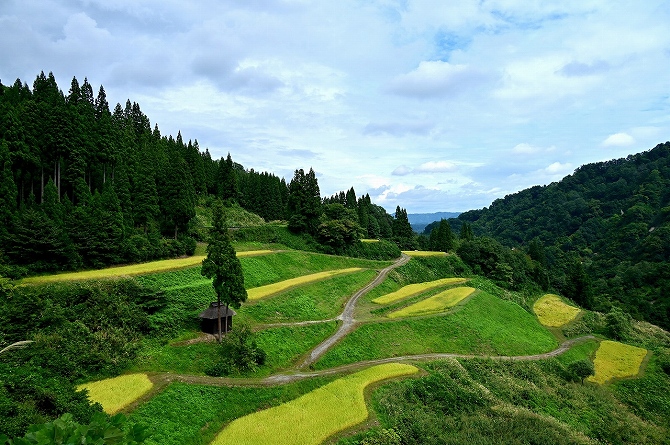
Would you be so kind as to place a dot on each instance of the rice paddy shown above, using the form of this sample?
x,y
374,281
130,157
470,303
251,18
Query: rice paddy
x,y
133,269
313,417
415,253
553,312
413,289
264,291
435,304
616,360
116,393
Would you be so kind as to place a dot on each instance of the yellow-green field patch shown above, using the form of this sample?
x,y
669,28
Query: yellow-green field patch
x,y
616,360
369,240
553,312
422,253
313,417
132,269
257,293
413,289
116,393
436,303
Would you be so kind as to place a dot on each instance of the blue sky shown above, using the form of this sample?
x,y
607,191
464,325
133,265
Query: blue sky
x,y
430,105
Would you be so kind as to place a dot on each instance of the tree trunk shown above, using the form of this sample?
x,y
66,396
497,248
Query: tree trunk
x,y
218,316
226,331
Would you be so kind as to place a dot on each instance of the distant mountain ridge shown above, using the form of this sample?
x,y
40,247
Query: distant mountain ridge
x,y
419,221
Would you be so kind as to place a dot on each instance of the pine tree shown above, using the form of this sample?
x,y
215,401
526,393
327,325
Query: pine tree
x,y
223,266
7,192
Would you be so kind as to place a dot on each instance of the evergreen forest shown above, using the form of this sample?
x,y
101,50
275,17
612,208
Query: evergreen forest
x,y
601,233
83,185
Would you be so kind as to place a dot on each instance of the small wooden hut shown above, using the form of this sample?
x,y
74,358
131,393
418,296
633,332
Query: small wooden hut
x,y
209,319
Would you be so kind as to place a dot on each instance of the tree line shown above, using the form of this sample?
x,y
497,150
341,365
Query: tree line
x,y
602,233
85,185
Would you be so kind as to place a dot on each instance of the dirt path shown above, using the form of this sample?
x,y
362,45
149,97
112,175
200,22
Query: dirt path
x,y
347,315
278,379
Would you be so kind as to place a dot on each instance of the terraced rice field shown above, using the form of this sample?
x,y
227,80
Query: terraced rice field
x,y
313,417
264,291
616,360
133,269
116,393
415,253
553,312
435,304
413,289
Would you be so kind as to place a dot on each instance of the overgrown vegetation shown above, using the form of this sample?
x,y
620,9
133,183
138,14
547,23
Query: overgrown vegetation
x,y
505,402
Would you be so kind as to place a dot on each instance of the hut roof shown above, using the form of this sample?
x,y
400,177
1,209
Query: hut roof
x,y
210,312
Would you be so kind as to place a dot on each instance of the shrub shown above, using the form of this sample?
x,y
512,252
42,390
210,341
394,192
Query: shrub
x,y
581,369
64,430
239,353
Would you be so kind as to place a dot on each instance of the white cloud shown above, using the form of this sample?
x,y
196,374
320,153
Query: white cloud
x,y
436,79
557,168
401,171
618,140
436,167
524,149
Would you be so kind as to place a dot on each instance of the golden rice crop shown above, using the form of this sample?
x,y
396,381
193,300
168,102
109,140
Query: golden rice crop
x,y
436,303
369,240
116,393
413,289
552,311
422,253
313,417
133,269
257,293
616,360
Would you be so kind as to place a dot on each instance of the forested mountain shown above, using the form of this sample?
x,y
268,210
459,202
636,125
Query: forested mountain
x,y
82,185
610,219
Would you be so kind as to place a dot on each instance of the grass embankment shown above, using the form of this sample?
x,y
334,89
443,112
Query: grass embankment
x,y
116,393
321,300
257,293
616,360
191,414
435,304
553,312
283,345
313,417
485,325
413,289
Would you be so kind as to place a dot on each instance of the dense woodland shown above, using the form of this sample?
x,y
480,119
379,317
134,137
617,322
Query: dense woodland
x,y
602,233
82,185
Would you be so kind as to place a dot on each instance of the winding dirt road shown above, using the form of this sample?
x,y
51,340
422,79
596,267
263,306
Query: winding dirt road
x,y
348,323
347,315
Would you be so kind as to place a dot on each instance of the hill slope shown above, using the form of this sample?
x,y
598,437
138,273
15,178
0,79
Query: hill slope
x,y
611,217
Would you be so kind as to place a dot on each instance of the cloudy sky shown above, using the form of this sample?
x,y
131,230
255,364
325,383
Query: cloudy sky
x,y
431,105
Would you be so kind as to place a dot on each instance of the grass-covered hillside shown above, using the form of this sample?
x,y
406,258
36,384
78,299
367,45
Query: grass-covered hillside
x,y
477,363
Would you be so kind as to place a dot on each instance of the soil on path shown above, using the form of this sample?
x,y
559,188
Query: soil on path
x,y
347,316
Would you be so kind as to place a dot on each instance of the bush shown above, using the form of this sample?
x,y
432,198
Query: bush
x,y
380,250
618,324
580,370
64,430
239,353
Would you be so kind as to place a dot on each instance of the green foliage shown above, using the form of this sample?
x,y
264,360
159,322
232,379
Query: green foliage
x,y
581,369
611,218
223,266
380,250
492,402
618,324
239,353
81,331
65,431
